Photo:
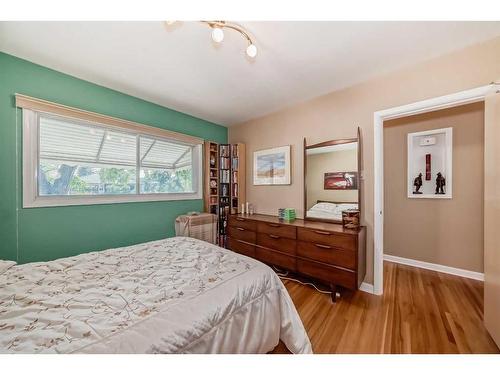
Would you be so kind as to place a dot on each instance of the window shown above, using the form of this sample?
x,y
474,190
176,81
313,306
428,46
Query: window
x,y
69,161
165,167
82,159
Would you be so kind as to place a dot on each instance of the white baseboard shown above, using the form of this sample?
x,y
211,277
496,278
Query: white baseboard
x,y
365,287
435,267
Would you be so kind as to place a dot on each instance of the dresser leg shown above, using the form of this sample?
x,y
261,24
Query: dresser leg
x,y
333,289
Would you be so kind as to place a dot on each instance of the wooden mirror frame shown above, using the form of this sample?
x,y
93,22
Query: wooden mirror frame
x,y
332,143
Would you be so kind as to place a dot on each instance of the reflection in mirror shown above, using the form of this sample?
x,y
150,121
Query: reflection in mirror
x,y
331,179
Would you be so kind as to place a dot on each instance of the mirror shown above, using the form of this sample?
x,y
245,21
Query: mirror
x,y
332,181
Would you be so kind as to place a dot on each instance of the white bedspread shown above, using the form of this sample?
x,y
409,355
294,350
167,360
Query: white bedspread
x,y
324,215
177,295
330,210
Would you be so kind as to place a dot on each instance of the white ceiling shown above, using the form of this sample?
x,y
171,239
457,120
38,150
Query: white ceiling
x,y
180,68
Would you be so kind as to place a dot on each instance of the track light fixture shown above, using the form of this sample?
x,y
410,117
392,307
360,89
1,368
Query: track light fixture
x,y
218,34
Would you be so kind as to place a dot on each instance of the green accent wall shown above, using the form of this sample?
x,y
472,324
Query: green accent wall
x,y
39,234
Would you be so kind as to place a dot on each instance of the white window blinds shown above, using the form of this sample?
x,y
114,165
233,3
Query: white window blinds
x,y
76,161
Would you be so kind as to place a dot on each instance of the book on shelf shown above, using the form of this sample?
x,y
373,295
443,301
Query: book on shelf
x,y
225,176
224,162
234,163
235,151
224,151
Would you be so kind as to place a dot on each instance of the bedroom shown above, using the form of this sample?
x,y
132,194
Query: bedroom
x,y
225,186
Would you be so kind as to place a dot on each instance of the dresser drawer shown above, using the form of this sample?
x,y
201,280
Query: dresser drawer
x,y
275,258
276,229
241,222
328,274
272,241
323,237
327,254
241,247
240,233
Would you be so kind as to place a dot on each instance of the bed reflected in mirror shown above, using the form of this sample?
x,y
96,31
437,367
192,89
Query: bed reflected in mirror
x,y
331,179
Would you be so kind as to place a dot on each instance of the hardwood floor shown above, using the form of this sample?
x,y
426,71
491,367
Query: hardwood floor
x,y
421,311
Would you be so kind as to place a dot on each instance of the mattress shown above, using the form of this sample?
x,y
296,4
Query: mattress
x,y
329,210
178,295
324,215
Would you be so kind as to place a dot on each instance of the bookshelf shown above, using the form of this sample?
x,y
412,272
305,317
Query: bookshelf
x,y
238,172
224,183
224,191
211,178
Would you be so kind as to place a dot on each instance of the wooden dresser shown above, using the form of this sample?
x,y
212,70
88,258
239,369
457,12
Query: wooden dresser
x,y
323,251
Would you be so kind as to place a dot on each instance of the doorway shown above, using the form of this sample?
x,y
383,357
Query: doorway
x,y
426,226
447,101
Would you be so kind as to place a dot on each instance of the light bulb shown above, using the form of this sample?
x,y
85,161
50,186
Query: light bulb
x,y
217,35
252,51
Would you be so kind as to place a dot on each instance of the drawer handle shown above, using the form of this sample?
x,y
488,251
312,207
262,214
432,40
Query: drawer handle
x,y
321,232
240,219
274,236
239,228
274,225
323,246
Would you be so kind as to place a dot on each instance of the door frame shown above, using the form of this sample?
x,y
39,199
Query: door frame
x,y
441,102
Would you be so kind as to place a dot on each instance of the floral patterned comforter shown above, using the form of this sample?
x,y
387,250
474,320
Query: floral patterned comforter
x,y
129,300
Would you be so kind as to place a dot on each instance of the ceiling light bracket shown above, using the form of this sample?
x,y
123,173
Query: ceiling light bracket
x,y
251,48
218,34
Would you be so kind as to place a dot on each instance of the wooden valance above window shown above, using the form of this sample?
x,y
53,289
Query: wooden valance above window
x,y
40,105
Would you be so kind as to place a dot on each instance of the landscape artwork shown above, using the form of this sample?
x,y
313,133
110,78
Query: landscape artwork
x,y
272,166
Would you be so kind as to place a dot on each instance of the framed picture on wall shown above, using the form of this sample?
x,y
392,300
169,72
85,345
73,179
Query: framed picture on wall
x,y
341,181
430,156
272,166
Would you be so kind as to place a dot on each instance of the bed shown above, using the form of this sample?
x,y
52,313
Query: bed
x,y
177,295
330,210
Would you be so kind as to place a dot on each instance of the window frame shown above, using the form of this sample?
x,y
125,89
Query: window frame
x,y
31,147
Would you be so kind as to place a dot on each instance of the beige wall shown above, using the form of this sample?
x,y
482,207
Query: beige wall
x,y
335,161
441,231
336,115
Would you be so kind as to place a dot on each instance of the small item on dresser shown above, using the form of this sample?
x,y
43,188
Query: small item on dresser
x,y
250,209
287,214
350,219
246,208
243,208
